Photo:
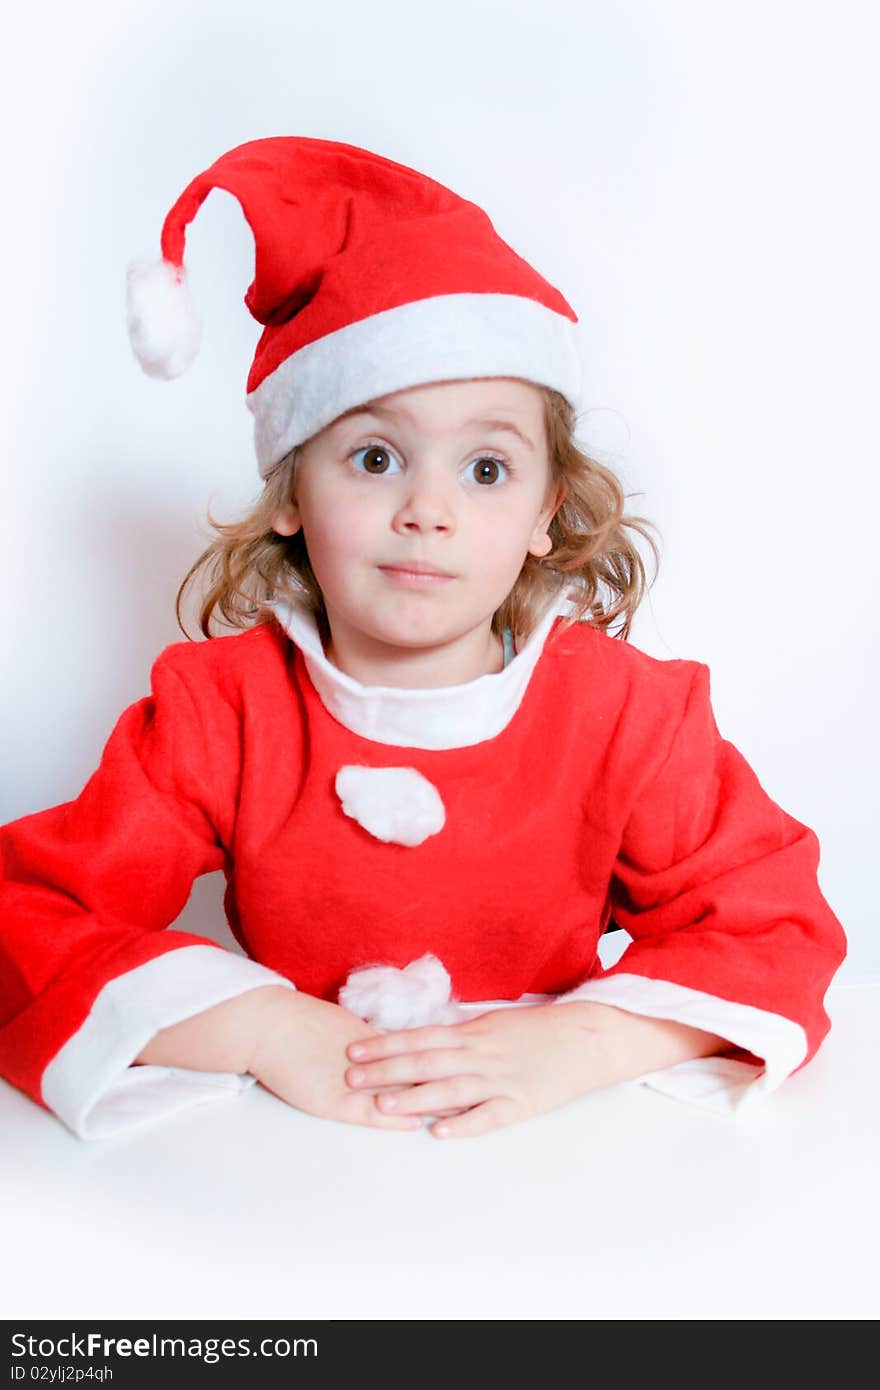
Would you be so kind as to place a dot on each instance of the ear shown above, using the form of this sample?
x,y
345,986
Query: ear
x,y
540,543
287,520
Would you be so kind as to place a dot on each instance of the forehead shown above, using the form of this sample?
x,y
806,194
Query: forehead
x,y
498,403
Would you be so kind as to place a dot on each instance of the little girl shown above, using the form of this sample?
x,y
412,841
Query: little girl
x,y
431,775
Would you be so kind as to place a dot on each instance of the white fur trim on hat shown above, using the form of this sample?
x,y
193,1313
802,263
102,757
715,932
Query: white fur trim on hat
x,y
448,337
163,326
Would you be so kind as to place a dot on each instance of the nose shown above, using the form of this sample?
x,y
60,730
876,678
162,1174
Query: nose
x,y
425,507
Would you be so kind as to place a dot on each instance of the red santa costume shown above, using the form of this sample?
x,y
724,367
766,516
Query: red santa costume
x,y
477,838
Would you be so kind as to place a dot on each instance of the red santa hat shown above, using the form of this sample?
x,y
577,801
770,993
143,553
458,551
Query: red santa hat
x,y
369,278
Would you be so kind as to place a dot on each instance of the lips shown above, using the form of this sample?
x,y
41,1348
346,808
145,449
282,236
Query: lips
x,y
418,567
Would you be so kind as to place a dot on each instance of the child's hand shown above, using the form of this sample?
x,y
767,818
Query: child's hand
x,y
490,1071
509,1064
300,1057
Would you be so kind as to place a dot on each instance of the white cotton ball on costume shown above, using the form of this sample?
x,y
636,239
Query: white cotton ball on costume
x,y
395,804
389,998
163,326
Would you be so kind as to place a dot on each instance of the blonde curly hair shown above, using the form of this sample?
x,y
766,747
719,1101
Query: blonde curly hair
x,y
247,562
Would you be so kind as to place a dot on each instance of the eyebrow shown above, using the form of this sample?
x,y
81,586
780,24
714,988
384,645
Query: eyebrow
x,y
390,413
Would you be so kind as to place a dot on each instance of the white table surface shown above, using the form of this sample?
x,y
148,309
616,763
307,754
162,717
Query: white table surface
x,y
624,1204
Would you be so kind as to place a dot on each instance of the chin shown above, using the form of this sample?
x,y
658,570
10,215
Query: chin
x,y
412,634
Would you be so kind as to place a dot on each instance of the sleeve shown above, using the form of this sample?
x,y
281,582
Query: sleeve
x,y
717,887
88,973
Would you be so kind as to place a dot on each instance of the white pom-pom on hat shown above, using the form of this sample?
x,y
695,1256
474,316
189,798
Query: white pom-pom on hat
x,y
389,998
163,325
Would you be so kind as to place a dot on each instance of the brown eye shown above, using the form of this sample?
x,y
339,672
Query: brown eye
x,y
486,470
375,459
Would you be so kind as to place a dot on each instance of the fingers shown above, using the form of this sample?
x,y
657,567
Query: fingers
x,y
433,1098
481,1119
368,1049
408,1068
419,1072
364,1112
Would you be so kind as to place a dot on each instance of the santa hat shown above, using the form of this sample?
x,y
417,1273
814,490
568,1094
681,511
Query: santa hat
x,y
369,278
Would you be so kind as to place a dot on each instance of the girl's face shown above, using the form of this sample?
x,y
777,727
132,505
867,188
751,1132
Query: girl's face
x,y
454,475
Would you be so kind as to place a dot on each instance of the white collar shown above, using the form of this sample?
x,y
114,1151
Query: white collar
x,y
451,716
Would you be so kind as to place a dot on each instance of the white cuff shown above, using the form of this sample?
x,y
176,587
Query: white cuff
x,y
723,1084
90,1083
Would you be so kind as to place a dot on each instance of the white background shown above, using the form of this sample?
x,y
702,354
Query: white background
x,y
699,180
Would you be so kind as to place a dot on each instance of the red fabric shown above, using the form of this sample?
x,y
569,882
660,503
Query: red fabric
x,y
631,802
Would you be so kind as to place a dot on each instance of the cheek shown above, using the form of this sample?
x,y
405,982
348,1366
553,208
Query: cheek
x,y
506,529
338,526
